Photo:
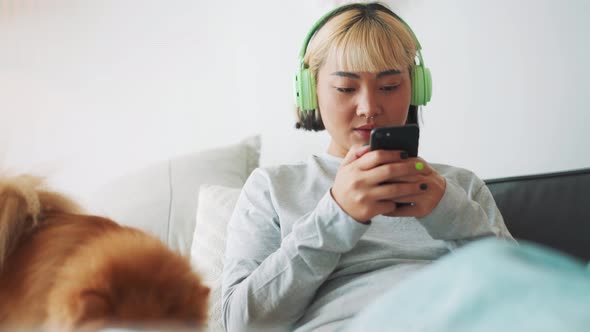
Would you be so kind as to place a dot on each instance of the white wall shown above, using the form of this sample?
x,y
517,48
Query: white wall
x,y
93,89
510,80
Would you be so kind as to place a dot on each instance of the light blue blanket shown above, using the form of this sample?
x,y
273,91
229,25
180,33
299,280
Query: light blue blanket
x,y
490,285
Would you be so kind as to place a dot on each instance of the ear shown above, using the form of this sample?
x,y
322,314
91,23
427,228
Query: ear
x,y
201,306
92,305
203,291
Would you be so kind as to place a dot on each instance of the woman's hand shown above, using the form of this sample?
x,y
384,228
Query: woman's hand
x,y
370,183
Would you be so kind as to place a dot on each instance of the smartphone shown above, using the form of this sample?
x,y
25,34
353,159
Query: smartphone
x,y
403,138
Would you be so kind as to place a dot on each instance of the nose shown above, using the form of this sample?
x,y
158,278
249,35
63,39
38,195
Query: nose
x,y
368,104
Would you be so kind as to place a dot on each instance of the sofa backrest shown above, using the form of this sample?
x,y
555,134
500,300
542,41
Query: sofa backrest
x,y
551,209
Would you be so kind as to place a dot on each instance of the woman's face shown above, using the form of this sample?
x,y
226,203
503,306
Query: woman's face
x,y
353,103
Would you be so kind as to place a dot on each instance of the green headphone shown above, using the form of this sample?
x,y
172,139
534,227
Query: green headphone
x,y
305,85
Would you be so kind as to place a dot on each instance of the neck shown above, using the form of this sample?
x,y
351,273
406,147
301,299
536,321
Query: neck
x,y
337,150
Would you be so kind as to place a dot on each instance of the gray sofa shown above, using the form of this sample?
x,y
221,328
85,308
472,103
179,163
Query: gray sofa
x,y
552,209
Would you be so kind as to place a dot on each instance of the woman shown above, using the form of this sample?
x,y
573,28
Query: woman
x,y
311,244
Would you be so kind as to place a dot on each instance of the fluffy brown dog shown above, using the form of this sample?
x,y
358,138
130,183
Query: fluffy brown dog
x,y
61,270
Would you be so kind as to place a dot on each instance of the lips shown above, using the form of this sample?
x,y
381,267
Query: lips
x,y
366,127
364,131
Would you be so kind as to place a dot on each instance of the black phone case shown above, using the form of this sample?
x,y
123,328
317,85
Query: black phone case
x,y
396,138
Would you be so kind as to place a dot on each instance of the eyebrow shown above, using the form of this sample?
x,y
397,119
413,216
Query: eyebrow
x,y
379,75
389,72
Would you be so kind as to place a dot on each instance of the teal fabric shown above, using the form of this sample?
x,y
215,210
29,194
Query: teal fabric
x,y
489,285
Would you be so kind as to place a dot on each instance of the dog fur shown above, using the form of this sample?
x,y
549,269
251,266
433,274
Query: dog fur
x,y
63,270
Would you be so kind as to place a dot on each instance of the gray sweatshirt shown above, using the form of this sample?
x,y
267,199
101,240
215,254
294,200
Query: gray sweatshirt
x,y
295,260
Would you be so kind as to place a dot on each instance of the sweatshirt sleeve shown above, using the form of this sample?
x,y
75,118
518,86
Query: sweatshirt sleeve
x,y
465,213
268,280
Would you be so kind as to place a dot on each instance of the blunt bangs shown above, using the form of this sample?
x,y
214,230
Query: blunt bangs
x,y
370,44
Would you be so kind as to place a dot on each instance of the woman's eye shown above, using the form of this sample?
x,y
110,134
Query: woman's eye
x,y
390,87
345,90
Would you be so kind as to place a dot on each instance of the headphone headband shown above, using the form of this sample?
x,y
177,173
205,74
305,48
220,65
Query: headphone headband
x,y
370,5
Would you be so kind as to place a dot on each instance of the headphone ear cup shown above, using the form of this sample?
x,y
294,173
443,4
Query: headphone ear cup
x,y
417,78
306,90
298,89
421,86
427,85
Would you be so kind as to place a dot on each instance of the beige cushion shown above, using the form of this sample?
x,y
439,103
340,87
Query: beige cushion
x,y
163,198
216,204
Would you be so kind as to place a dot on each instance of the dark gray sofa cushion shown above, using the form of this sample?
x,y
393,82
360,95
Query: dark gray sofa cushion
x,y
551,209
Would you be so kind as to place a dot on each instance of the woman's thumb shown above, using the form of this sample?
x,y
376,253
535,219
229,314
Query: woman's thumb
x,y
355,152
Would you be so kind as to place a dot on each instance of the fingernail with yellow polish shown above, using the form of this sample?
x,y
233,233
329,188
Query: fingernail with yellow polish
x,y
419,166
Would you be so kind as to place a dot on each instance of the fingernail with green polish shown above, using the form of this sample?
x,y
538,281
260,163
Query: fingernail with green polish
x,y
419,166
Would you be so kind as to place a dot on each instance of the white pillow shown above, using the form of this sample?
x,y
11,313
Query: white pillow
x,y
163,198
216,204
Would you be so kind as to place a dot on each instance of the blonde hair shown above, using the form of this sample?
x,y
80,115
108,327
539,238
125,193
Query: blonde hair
x,y
362,38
